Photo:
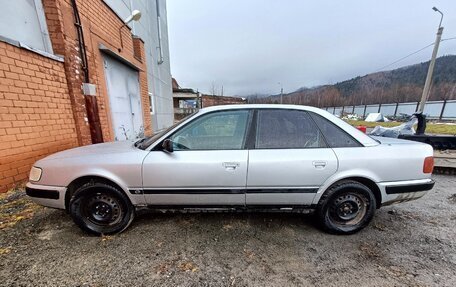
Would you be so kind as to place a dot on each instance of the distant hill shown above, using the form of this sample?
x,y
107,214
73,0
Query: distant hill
x,y
400,85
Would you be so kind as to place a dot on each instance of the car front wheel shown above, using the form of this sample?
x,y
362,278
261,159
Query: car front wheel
x,y
346,208
100,209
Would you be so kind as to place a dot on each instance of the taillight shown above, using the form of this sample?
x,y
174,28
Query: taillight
x,y
428,165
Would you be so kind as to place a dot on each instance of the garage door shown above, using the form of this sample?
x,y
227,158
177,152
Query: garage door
x,y
125,99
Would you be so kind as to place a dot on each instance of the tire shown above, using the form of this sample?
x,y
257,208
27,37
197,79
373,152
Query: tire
x,y
100,209
346,208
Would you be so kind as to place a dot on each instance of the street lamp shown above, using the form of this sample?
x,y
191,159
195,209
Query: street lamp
x,y
441,17
134,16
427,84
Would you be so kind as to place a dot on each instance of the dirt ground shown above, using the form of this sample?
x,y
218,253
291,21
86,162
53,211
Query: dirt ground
x,y
410,244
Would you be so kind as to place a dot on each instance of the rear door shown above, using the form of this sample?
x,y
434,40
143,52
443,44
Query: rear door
x,y
208,167
290,159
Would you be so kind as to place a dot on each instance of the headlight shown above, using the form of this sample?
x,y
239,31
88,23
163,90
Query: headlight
x,y
35,173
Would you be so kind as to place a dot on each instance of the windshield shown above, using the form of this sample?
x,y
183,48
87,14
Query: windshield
x,y
147,141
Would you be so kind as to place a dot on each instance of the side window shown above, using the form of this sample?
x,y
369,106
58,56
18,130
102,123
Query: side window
x,y
215,131
335,136
287,129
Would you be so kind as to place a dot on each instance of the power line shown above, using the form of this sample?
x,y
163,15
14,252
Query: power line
x,y
452,38
411,54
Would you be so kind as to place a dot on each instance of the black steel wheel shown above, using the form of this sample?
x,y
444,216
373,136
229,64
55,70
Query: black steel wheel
x,y
346,208
101,209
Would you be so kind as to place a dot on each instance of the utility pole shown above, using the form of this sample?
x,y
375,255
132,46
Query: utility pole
x,y
427,84
198,100
281,93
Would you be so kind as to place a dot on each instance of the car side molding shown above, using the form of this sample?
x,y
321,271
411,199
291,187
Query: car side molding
x,y
224,191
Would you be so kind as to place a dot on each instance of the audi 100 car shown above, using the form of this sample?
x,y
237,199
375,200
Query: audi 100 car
x,y
249,157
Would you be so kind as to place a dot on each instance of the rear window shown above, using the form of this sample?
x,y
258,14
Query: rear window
x,y
334,135
287,129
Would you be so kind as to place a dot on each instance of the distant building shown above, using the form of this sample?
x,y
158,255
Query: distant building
x,y
186,101
208,100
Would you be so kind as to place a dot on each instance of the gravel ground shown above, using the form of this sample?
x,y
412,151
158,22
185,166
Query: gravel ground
x,y
410,244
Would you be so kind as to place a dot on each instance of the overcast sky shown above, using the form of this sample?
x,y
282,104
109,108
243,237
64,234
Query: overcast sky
x,y
249,46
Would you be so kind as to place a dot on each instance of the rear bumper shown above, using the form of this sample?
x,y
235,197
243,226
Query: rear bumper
x,y
407,188
400,191
50,196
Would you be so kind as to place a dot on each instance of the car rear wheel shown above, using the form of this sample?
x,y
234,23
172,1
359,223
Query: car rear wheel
x,y
100,209
346,208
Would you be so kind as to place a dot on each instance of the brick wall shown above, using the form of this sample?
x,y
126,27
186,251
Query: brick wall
x,y
59,18
36,116
108,31
42,108
208,101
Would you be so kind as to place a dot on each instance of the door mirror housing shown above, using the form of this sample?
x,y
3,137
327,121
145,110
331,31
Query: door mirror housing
x,y
167,145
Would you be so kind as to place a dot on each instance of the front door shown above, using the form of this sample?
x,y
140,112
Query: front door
x,y
290,160
124,99
208,167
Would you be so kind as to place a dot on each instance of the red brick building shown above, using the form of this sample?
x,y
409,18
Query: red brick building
x,y
43,108
208,100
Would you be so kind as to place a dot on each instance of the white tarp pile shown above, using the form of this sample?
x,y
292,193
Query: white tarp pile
x,y
354,117
376,117
403,129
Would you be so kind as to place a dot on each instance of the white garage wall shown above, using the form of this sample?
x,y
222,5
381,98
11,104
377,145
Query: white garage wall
x,y
124,99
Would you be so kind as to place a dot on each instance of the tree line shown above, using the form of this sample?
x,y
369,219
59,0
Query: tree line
x,y
400,85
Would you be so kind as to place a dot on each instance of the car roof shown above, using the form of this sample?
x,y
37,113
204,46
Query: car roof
x,y
256,106
354,132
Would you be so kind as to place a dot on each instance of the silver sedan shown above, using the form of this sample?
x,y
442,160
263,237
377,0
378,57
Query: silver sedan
x,y
249,157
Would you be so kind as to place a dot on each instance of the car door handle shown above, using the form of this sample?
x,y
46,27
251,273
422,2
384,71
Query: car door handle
x,y
230,165
319,164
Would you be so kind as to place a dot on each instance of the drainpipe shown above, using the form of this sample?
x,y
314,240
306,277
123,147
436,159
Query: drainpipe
x,y
88,89
160,51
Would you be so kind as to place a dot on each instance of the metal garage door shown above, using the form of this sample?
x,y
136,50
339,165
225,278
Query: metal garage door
x,y
124,98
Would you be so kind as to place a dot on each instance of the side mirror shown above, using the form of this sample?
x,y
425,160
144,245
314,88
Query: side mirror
x,y
168,145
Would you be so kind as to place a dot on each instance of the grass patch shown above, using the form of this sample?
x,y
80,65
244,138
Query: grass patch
x,y
431,128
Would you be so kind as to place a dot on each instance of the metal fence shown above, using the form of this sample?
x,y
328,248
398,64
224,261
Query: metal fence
x,y
441,110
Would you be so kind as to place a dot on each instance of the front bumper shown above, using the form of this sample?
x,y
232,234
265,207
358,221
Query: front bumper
x,y
400,191
50,196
